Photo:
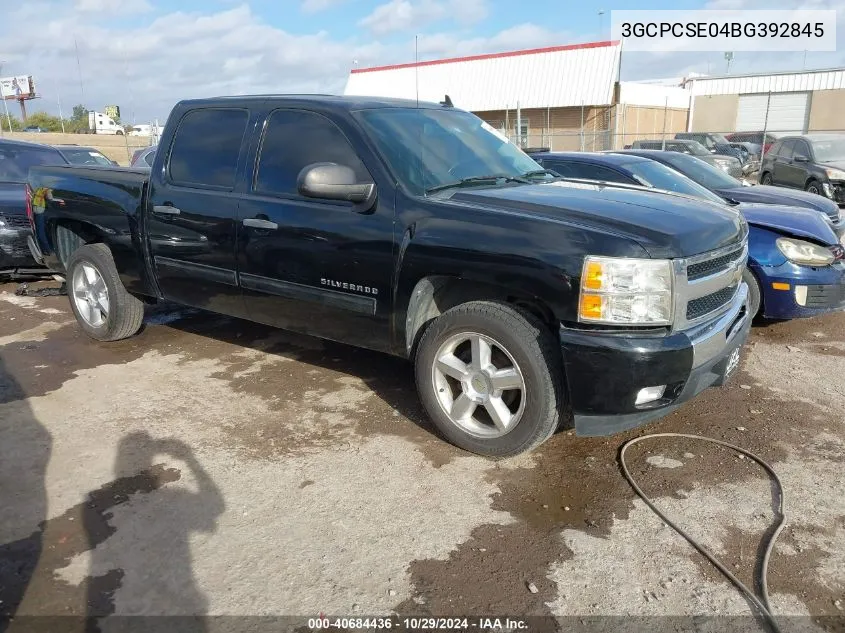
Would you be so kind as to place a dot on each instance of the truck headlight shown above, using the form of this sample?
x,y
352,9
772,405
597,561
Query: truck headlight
x,y
806,253
621,290
835,174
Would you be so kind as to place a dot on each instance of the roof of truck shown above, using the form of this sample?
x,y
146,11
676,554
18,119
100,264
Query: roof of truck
x,y
346,103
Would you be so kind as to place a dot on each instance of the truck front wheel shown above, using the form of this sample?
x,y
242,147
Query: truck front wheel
x,y
98,299
489,375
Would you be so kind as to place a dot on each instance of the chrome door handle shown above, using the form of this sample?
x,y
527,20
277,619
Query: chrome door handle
x,y
257,223
166,209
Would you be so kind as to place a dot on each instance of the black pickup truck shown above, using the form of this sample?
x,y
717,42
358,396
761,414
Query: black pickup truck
x,y
417,230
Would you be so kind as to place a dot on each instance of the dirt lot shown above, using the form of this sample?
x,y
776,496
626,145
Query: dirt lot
x,y
213,466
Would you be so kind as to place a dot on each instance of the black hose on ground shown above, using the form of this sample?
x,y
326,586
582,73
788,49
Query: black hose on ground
x,y
761,603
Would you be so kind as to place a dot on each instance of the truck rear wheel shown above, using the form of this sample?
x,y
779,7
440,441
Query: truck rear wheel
x,y
97,297
490,378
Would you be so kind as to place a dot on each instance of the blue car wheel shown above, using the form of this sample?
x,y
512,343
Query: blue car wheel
x,y
753,292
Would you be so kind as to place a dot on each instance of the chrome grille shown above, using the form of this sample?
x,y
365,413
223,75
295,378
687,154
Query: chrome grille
x,y
710,303
706,284
710,266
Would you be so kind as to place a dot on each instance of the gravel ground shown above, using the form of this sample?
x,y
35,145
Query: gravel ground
x,y
214,466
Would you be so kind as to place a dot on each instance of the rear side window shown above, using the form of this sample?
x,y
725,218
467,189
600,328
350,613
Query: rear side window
x,y
295,139
787,149
206,147
774,150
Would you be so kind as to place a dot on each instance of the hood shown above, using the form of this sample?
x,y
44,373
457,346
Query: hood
x,y
12,199
835,164
780,195
665,225
794,221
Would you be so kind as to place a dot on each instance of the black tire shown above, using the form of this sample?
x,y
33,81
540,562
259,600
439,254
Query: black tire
x,y
813,186
754,294
766,178
125,314
534,350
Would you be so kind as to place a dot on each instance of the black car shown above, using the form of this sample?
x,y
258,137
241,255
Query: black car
x,y
417,230
812,162
76,155
755,138
16,157
728,164
732,189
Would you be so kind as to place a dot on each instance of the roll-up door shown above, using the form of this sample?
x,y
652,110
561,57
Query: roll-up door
x,y
788,112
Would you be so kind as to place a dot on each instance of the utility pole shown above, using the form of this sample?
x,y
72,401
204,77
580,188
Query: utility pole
x,y
729,57
5,103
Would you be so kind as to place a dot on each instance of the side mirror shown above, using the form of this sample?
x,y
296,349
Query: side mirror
x,y
800,158
330,181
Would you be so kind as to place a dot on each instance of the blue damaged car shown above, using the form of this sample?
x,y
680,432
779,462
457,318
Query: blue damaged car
x,y
796,265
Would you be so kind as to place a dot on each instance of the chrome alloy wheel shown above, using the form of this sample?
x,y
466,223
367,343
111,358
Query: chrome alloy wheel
x,y
479,385
90,295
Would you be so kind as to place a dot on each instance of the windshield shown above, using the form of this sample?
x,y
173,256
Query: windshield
x,y
86,157
16,161
696,149
701,172
427,148
653,174
829,150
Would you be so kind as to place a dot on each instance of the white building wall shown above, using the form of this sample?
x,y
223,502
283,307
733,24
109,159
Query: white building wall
x,y
541,78
653,95
833,79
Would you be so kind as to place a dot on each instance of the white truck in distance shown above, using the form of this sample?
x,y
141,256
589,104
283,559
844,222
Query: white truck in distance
x,y
100,123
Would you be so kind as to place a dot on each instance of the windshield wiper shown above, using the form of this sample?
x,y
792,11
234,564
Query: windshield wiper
x,y
541,172
478,180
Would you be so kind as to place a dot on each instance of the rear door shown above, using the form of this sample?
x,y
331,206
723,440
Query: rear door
x,y
319,267
191,222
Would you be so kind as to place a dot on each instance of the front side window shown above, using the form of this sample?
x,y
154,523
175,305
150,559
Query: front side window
x,y
295,139
427,148
206,148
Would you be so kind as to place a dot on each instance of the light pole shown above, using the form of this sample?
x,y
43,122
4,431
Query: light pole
x,y
3,97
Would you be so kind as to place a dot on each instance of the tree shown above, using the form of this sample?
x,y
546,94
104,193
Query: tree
x,y
4,122
78,123
44,121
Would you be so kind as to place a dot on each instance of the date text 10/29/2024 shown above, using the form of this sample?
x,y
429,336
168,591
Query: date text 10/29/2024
x,y
499,625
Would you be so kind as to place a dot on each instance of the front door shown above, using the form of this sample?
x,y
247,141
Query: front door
x,y
315,266
191,223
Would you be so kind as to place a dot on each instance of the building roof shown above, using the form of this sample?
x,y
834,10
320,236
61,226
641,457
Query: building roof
x,y
558,76
794,81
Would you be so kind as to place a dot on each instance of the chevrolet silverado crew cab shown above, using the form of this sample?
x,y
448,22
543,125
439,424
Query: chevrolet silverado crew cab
x,y
417,230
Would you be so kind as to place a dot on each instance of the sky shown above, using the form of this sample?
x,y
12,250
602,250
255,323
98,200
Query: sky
x,y
145,55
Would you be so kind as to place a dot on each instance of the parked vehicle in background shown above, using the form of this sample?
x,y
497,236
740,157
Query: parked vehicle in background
x,y
713,142
750,157
732,190
16,158
76,155
728,164
35,130
145,130
143,157
100,123
756,138
418,230
812,162
795,260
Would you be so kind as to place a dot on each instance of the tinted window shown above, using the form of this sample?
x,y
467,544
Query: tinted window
x,y
774,150
561,168
295,139
786,149
206,147
701,172
802,148
15,161
596,172
86,157
149,158
653,174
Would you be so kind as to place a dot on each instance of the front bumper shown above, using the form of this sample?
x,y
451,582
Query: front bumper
x,y
605,371
835,190
812,291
